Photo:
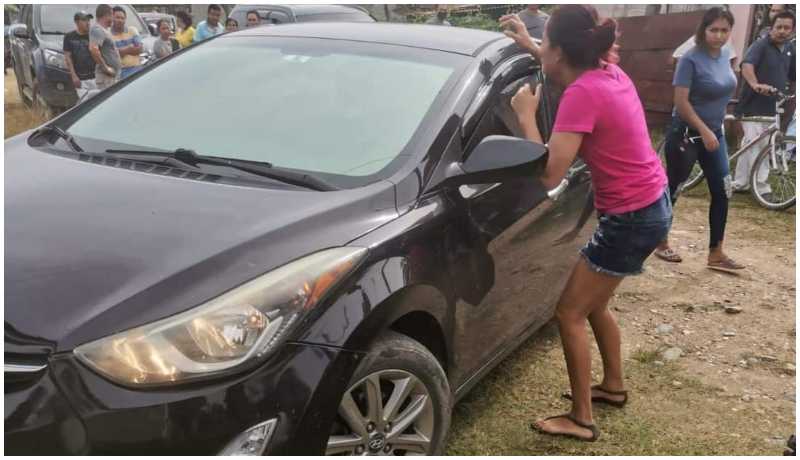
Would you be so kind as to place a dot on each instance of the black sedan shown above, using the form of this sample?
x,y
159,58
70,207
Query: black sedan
x,y
302,239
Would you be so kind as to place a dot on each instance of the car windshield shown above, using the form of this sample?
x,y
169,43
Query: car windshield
x,y
60,18
325,106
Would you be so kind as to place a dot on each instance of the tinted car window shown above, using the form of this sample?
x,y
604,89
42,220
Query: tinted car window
x,y
333,107
59,18
240,14
335,17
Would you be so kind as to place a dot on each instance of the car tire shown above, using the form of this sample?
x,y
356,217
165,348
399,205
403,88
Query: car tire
x,y
40,107
25,101
415,407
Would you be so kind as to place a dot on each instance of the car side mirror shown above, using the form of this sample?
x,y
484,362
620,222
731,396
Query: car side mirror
x,y
20,31
497,159
153,30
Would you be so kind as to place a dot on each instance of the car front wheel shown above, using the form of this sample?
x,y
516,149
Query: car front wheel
x,y
397,403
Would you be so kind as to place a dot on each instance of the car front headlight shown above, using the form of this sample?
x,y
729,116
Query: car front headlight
x,y
55,59
224,333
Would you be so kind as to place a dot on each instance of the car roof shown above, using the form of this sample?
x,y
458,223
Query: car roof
x,y
450,39
303,10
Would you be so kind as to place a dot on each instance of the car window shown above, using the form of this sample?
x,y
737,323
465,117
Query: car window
x,y
267,16
332,107
60,18
278,17
335,17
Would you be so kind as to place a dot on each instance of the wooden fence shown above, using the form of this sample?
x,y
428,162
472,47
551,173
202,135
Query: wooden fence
x,y
646,47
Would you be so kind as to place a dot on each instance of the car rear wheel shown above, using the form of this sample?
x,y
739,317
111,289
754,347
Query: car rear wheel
x,y
397,403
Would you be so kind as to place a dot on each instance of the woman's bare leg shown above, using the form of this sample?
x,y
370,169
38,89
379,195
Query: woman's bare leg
x,y
586,291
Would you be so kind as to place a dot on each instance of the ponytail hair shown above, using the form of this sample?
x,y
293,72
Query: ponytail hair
x,y
585,40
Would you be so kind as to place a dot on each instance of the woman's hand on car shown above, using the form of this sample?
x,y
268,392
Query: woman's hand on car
x,y
526,102
515,29
710,141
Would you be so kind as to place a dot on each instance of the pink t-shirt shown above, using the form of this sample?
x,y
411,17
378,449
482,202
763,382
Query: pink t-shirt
x,y
604,105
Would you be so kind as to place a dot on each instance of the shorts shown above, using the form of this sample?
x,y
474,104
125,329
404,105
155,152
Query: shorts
x,y
622,242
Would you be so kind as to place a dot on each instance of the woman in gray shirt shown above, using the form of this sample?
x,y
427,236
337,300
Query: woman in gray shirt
x,y
704,84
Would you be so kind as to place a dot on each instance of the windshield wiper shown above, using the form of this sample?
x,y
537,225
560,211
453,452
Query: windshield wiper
x,y
263,169
52,32
53,129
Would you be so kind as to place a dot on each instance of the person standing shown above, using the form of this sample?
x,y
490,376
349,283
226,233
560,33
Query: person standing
x,y
774,10
104,52
534,20
211,26
128,43
231,25
77,56
253,19
768,66
601,118
440,19
185,35
704,83
165,45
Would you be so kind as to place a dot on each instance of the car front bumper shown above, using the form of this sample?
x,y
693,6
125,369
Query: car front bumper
x,y
69,409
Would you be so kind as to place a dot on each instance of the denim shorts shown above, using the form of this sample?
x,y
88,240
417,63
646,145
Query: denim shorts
x,y
622,242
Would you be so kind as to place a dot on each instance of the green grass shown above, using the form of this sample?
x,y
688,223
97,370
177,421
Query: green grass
x,y
645,356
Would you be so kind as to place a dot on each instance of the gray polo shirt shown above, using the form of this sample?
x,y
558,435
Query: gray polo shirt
x,y
103,39
774,67
534,22
711,83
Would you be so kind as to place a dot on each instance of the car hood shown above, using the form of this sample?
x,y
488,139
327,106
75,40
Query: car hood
x,y
91,249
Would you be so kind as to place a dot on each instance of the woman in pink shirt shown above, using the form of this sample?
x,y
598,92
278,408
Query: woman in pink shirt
x,y
600,118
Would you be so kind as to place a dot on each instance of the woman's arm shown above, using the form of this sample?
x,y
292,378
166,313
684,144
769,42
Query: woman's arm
x,y
688,114
516,30
563,146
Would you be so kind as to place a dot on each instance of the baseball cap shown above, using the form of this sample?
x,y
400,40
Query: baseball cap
x,y
83,15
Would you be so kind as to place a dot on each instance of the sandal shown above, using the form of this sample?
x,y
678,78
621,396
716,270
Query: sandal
x,y
726,265
603,399
568,416
668,254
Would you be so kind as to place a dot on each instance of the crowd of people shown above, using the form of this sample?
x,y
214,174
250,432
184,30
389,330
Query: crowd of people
x,y
600,118
104,49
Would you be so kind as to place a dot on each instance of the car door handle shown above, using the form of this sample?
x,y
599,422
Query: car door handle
x,y
555,193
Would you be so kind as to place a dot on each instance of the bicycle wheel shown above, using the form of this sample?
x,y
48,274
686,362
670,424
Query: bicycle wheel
x,y
780,177
695,177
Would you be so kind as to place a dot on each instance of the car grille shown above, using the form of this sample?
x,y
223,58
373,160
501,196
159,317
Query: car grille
x,y
21,371
24,358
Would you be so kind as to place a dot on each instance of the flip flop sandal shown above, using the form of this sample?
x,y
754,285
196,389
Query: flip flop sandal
x,y
668,254
603,399
568,416
726,265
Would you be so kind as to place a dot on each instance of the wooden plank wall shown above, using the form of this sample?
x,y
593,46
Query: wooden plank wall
x,y
646,47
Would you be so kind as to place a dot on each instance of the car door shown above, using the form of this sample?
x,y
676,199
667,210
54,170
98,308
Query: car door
x,y
518,249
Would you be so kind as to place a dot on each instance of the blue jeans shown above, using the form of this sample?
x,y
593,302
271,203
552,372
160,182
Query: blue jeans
x,y
715,169
128,71
623,241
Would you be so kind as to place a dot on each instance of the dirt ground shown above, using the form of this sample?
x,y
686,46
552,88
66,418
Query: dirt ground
x,y
18,117
710,358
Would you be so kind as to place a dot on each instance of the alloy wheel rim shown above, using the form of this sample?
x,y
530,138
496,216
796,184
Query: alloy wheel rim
x,y
389,412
